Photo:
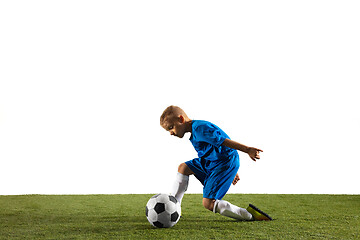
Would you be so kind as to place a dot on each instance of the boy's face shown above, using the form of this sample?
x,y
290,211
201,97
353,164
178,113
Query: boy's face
x,y
175,126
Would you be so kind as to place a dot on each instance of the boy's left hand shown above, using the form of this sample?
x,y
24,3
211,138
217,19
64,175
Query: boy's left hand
x,y
254,153
236,179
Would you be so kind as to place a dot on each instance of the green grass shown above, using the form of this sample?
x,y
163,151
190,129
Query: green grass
x,y
123,217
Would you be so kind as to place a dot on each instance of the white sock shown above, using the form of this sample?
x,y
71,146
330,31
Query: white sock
x,y
229,210
180,186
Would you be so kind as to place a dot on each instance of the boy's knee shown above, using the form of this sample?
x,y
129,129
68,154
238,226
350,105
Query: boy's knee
x,y
208,203
184,169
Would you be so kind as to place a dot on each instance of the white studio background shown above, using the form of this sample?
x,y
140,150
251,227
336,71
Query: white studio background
x,y
83,84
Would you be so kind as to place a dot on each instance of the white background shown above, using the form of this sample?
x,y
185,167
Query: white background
x,y
83,85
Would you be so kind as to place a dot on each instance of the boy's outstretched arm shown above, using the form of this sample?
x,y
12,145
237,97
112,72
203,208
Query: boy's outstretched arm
x,y
254,153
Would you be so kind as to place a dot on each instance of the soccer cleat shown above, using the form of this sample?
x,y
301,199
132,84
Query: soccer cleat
x,y
258,215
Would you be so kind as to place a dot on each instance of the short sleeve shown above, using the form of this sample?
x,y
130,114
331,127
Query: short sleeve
x,y
210,134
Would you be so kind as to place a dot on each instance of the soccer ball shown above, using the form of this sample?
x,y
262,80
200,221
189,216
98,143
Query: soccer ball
x,y
163,210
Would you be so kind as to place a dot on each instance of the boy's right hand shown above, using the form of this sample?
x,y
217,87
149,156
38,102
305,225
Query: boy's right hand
x,y
236,179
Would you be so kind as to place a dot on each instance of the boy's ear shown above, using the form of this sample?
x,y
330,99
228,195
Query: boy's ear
x,y
182,119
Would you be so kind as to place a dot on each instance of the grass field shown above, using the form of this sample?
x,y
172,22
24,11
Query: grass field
x,y
123,217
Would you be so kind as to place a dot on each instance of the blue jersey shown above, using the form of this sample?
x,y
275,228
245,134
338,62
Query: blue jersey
x,y
207,139
216,165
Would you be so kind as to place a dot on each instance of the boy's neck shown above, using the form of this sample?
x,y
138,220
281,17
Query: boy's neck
x,y
188,126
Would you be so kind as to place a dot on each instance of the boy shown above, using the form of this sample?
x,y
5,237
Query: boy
x,y
216,166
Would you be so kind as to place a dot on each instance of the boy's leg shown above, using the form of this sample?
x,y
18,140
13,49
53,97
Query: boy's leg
x,y
217,184
184,169
208,203
229,210
182,181
192,167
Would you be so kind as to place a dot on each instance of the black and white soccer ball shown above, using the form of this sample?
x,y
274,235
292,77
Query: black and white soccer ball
x,y
163,210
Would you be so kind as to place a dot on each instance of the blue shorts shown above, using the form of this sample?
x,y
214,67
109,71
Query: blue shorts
x,y
216,179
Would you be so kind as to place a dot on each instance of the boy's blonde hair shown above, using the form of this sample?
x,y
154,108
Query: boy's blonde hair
x,y
171,112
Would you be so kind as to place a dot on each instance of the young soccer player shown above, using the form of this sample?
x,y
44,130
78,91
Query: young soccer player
x,y
216,166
